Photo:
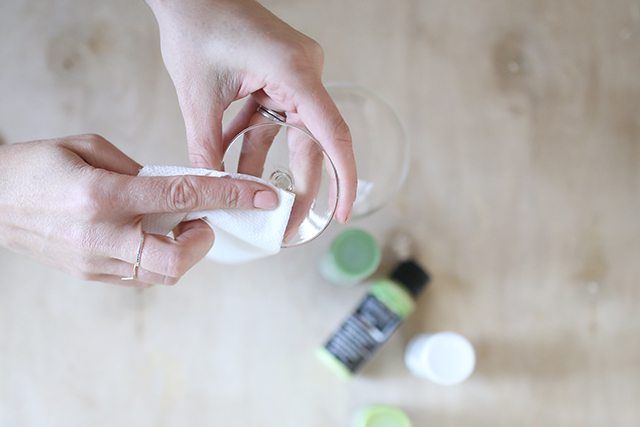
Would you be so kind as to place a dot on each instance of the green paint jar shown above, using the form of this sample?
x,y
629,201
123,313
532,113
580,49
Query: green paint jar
x,y
379,314
381,416
353,256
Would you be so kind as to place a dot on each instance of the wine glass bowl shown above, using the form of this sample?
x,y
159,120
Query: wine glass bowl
x,y
291,159
380,146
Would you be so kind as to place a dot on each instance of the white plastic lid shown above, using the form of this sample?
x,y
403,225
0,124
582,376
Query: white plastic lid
x,y
445,358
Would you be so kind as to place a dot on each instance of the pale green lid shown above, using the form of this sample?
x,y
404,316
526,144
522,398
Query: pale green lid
x,y
381,416
330,361
353,256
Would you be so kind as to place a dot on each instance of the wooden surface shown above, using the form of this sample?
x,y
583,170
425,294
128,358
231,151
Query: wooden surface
x,y
524,194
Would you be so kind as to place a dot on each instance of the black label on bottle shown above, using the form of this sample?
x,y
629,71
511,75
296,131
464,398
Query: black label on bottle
x,y
362,333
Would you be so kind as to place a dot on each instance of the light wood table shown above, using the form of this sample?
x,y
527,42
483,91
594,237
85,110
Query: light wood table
x,y
524,196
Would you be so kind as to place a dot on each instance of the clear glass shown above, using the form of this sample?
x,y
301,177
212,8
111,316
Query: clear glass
x,y
379,144
291,159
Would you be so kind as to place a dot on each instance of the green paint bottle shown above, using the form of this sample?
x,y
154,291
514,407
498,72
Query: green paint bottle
x,y
386,305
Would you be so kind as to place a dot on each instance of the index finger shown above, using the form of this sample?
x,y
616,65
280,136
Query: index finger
x,y
321,116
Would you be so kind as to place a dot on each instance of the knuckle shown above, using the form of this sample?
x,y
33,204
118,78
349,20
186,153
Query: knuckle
x,y
231,196
304,54
182,194
91,200
342,132
90,246
85,239
85,265
309,48
91,243
314,50
94,139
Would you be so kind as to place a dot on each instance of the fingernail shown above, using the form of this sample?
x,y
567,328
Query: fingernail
x,y
347,218
265,199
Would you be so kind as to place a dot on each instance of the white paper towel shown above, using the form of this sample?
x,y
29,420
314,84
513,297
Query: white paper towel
x,y
241,235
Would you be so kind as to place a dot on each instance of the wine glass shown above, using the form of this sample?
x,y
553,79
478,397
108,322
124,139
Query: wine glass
x,y
291,159
380,147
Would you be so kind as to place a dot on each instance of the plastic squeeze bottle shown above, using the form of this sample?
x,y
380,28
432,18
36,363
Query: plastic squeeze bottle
x,y
379,314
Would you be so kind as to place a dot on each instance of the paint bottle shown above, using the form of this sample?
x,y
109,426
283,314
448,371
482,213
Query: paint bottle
x,y
353,256
386,305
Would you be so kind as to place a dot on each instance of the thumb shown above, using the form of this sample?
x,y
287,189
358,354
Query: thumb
x,y
202,112
185,193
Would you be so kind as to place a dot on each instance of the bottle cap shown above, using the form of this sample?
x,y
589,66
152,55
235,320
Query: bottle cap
x,y
325,357
381,416
445,358
353,256
411,276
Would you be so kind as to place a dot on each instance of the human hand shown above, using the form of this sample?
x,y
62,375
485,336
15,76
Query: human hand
x,y
218,51
76,203
298,160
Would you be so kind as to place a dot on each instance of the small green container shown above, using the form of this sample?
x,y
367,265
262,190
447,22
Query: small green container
x,y
354,255
381,416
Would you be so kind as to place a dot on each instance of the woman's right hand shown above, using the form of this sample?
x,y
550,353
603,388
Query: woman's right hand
x,y
76,203
219,51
